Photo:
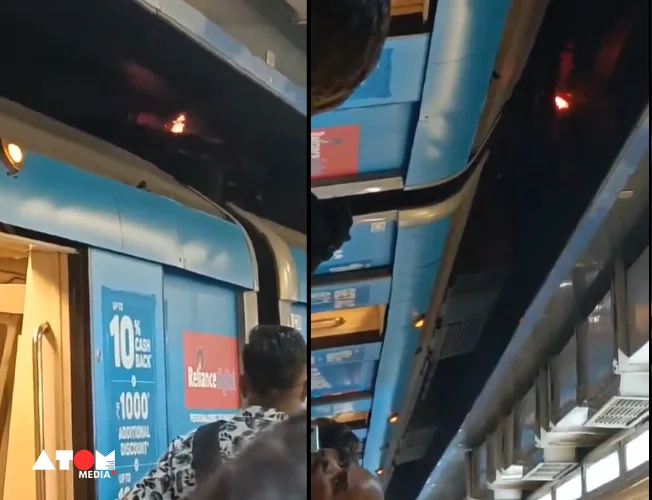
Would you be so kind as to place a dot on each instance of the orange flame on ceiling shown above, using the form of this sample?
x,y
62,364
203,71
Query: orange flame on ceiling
x,y
178,125
561,104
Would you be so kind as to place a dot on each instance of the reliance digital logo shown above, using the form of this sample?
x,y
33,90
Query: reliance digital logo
x,y
83,460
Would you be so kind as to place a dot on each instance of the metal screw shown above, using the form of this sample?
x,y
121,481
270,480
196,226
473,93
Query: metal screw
x,y
270,58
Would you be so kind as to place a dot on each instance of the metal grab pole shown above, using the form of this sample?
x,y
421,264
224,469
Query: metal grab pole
x,y
37,366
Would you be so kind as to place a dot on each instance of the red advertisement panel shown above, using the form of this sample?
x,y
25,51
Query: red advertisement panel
x,y
334,151
211,371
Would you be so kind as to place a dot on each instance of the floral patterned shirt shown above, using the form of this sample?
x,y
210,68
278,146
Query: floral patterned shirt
x,y
173,477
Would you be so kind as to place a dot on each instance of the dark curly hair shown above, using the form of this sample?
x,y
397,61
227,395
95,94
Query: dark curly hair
x,y
346,37
338,437
274,358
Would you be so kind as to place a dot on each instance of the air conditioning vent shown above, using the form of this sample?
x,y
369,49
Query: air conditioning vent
x,y
465,311
414,445
461,337
548,471
620,413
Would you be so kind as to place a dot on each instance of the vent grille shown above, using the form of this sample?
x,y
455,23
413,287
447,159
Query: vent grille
x,y
548,471
620,413
465,311
414,445
461,337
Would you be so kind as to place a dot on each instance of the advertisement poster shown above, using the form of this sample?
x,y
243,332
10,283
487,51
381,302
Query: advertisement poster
x,y
343,369
129,363
345,298
298,317
371,246
334,151
211,372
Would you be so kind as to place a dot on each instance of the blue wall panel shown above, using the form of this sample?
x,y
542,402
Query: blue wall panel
x,y
128,371
360,433
300,318
371,246
343,369
398,77
418,253
385,134
350,294
53,198
463,48
202,335
301,263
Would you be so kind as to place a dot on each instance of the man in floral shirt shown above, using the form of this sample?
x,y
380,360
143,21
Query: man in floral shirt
x,y
275,386
274,465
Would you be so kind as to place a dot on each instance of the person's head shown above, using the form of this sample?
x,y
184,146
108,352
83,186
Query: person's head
x,y
346,37
271,467
275,368
335,472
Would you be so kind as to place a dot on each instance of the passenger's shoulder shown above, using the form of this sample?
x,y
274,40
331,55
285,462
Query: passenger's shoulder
x,y
182,443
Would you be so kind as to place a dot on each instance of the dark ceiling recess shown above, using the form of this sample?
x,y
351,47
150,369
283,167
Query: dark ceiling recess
x,y
265,26
544,168
117,71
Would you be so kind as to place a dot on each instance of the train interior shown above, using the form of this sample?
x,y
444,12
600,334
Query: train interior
x,y
149,286
565,412
109,317
407,152
466,180
150,190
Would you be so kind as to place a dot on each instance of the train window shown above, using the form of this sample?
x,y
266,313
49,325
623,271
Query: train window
x,y
571,489
637,451
602,472
638,309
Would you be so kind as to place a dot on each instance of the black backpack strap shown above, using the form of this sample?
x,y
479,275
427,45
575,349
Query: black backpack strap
x,y
206,455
